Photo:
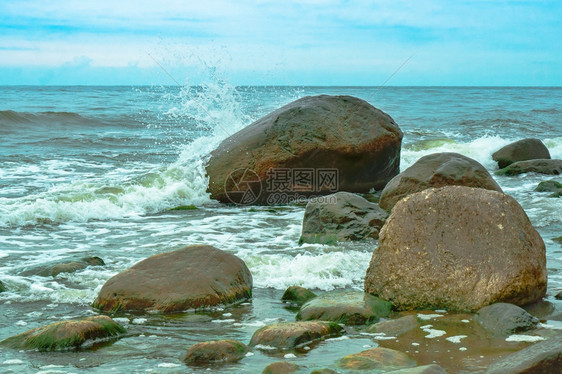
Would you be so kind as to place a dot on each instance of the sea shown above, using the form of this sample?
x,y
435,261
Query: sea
x,y
96,171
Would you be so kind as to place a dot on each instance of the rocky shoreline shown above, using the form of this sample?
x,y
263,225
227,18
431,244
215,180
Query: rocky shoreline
x,y
457,258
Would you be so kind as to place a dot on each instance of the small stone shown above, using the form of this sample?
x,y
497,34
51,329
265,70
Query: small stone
x,y
376,359
348,307
395,327
280,367
297,295
426,369
504,319
289,335
218,351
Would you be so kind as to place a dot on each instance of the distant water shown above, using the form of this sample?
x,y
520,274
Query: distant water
x,y
90,171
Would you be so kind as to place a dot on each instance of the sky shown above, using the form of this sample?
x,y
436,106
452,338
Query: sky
x,y
289,42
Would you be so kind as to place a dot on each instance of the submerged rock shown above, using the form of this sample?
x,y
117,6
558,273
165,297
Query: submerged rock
x,y
323,371
307,138
458,248
289,335
66,335
522,150
297,295
505,319
2,288
383,359
218,351
426,369
193,277
543,357
558,296
280,367
348,307
341,217
437,170
549,167
53,269
395,327
557,240
550,186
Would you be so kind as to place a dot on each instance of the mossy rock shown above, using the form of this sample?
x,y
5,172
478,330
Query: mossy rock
x,y
280,367
2,287
297,295
185,207
290,335
557,240
348,307
66,335
218,351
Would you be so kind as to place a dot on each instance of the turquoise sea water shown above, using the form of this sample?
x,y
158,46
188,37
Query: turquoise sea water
x,y
93,171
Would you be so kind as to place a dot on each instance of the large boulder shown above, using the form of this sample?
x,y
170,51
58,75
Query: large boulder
x,y
504,319
437,170
458,248
544,357
548,167
290,335
313,146
217,351
522,150
193,277
349,307
342,216
66,335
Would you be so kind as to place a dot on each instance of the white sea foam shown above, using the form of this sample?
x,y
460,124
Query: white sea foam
x,y
456,339
524,338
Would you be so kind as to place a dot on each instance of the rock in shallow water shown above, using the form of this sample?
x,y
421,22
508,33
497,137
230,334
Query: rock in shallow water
x,y
54,269
383,359
342,216
505,319
316,133
437,170
458,248
66,335
348,307
395,327
297,295
549,167
289,335
426,369
2,288
544,357
280,367
193,277
218,351
522,150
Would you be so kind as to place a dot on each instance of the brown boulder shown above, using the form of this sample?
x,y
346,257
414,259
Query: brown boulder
x,y
193,277
218,351
342,216
522,150
437,170
66,335
458,248
312,134
289,335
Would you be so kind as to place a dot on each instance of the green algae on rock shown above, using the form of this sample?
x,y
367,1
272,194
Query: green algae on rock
x,y
66,335
348,307
297,295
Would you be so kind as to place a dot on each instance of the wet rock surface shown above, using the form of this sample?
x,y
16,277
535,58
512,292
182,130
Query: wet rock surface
x,y
522,150
505,319
341,133
395,327
342,216
548,167
437,170
457,248
66,335
217,351
193,277
297,296
289,335
348,307
383,359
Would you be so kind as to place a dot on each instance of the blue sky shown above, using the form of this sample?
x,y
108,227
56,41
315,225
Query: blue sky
x,y
301,42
